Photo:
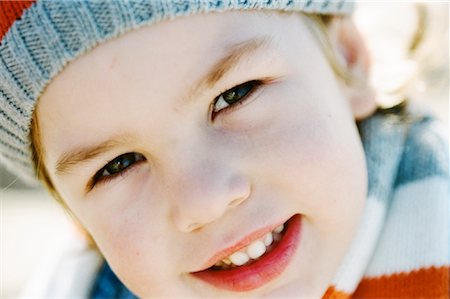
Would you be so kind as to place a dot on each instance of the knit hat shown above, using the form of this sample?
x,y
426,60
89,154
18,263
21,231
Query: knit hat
x,y
38,38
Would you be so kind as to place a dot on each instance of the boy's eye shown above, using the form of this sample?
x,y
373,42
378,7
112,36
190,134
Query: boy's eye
x,y
117,166
235,95
120,163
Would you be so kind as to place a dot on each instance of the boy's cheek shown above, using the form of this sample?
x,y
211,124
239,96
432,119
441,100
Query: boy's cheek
x,y
128,229
322,165
140,259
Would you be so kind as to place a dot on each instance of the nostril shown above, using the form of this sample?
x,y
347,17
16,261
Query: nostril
x,y
193,226
240,189
236,202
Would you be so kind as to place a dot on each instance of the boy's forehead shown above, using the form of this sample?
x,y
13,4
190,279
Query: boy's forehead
x,y
189,48
180,52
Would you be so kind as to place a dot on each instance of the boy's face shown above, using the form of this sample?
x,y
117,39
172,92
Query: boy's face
x,y
210,173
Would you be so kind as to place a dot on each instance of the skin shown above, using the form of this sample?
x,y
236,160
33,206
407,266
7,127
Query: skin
x,y
291,148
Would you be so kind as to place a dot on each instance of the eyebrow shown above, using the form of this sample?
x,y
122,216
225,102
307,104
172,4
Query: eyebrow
x,y
72,159
234,54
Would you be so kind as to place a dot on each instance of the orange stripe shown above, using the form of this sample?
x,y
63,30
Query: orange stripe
x,y
332,293
433,282
11,11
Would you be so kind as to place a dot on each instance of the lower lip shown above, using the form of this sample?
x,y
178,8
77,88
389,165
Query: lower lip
x,y
260,272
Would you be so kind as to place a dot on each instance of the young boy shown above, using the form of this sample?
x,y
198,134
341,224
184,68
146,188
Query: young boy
x,y
217,154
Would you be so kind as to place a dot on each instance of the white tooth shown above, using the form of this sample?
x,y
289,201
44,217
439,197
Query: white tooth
x,y
268,239
227,261
256,249
279,229
239,258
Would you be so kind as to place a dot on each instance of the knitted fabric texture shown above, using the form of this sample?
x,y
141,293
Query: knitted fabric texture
x,y
39,38
401,249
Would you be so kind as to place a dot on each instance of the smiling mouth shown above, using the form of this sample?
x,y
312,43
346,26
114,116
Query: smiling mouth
x,y
256,263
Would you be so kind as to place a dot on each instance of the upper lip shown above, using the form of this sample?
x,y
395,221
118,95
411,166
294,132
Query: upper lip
x,y
242,243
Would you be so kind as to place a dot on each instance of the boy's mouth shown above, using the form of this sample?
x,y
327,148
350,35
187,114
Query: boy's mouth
x,y
256,260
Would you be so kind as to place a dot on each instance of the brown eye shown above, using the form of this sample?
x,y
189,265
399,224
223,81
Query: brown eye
x,y
235,95
118,165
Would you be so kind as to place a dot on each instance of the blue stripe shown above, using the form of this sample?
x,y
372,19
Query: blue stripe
x,y
107,285
29,38
425,154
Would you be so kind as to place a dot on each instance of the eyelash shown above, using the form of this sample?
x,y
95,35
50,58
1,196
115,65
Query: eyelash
x,y
257,84
101,178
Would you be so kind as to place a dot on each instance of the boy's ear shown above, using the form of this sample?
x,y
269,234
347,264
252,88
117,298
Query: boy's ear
x,y
352,52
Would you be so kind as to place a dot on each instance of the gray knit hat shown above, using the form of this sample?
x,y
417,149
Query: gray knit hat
x,y
38,38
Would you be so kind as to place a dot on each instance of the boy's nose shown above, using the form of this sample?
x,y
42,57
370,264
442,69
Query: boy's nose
x,y
203,192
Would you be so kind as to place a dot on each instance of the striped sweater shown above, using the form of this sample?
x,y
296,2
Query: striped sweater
x,y
401,249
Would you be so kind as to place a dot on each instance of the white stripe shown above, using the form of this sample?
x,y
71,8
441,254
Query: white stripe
x,y
416,234
357,258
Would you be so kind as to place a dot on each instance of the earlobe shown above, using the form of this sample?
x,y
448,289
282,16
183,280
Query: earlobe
x,y
354,57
